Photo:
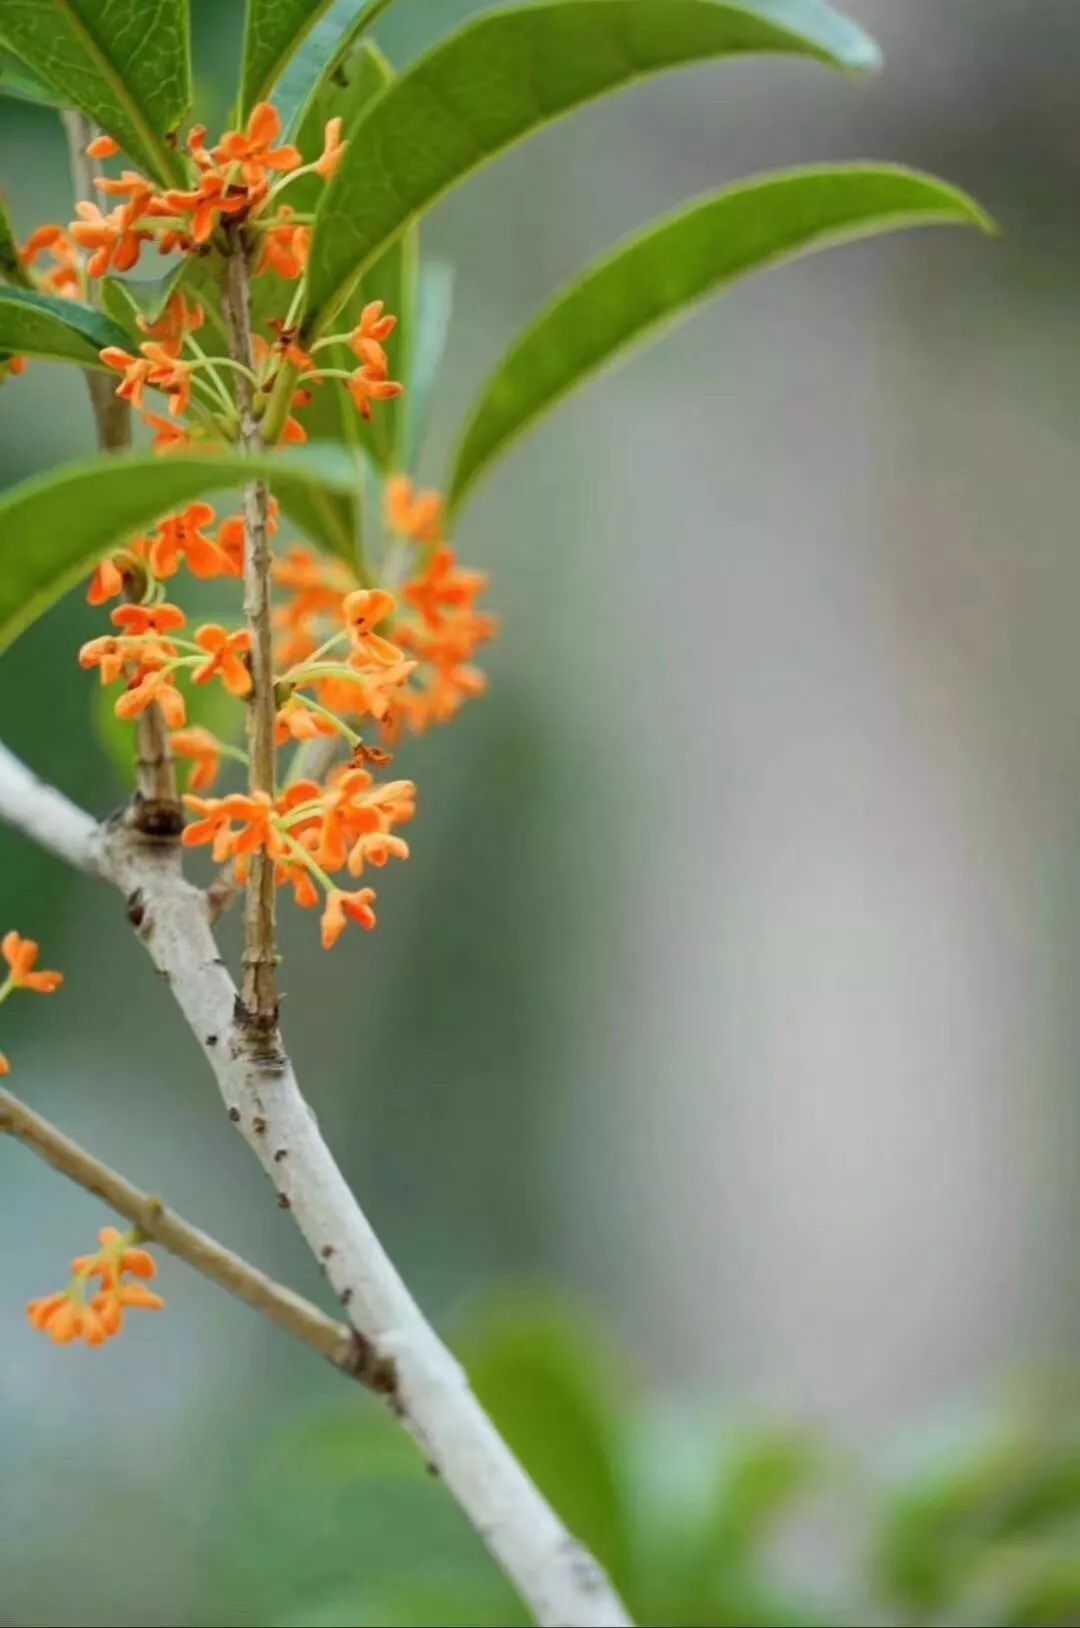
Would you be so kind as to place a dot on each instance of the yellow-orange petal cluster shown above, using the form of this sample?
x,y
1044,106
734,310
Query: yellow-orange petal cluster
x,y
94,1315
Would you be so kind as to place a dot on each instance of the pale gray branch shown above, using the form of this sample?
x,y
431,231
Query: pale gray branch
x,y
424,1385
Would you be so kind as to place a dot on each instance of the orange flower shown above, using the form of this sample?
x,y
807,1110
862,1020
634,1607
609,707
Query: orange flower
x,y
153,689
375,327
286,247
67,1319
114,240
183,537
169,373
255,815
206,204
65,278
253,148
204,750
102,147
333,149
107,583
344,907
417,516
369,384
135,188
139,621
168,435
137,371
75,1314
363,611
296,721
444,587
116,1256
214,826
21,954
232,537
5,1067
176,321
225,651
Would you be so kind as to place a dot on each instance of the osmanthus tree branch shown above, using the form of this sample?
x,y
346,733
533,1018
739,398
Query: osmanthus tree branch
x,y
422,1383
160,1225
158,808
260,921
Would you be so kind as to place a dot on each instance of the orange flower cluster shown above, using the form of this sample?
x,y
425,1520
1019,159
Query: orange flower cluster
x,y
354,664
310,831
21,955
92,1315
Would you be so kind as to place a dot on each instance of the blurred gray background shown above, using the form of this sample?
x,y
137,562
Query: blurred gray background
x,y
732,985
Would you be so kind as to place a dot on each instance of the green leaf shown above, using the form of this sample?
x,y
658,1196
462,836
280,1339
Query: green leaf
x,y
124,63
434,308
55,528
12,269
310,75
17,80
56,330
509,74
359,74
547,1383
287,44
655,280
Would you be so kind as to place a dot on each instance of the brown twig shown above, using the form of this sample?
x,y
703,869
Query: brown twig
x,y
260,995
163,1226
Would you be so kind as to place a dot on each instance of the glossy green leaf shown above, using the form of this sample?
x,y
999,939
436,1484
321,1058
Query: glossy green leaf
x,y
55,330
12,269
657,279
312,72
124,63
54,528
509,74
287,44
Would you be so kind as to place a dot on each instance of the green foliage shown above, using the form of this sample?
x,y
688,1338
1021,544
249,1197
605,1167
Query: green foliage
x,y
543,1377
508,75
317,63
657,279
994,1531
124,63
434,308
11,267
288,42
53,329
17,80
55,528
690,1514
352,81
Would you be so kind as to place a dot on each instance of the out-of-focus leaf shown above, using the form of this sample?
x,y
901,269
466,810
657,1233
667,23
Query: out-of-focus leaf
x,y
540,1375
309,75
509,74
125,63
654,281
54,528
434,308
55,330
764,1476
12,269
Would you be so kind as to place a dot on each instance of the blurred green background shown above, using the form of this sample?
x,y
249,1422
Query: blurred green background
x,y
712,1074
